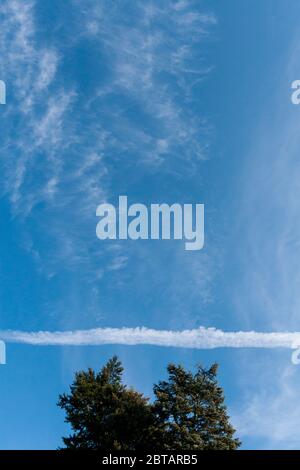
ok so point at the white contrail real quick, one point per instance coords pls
(200, 338)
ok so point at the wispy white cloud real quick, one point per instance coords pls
(49, 158)
(52, 156)
(269, 210)
(268, 416)
(37, 110)
(155, 61)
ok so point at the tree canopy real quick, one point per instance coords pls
(192, 411)
(188, 412)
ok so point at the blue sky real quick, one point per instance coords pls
(181, 101)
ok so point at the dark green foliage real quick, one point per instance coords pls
(188, 412)
(104, 414)
(192, 411)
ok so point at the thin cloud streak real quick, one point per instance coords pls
(200, 338)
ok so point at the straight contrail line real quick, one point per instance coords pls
(200, 338)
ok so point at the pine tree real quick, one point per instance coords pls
(104, 414)
(191, 411)
(188, 412)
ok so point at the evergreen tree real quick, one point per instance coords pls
(104, 414)
(191, 411)
(188, 412)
